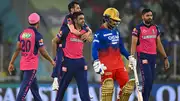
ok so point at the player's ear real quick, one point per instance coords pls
(142, 16)
(38, 24)
(72, 9)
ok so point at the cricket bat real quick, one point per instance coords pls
(139, 93)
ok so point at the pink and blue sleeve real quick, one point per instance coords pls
(39, 40)
(158, 30)
(63, 32)
(136, 31)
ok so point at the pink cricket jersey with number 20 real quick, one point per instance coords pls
(31, 41)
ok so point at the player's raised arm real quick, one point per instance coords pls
(73, 30)
(74, 7)
(87, 37)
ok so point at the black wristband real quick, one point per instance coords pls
(165, 58)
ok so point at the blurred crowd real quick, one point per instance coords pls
(166, 16)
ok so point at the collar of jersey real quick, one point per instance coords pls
(33, 28)
(146, 25)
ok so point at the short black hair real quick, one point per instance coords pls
(76, 14)
(146, 10)
(71, 5)
(34, 24)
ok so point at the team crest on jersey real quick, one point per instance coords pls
(153, 32)
(69, 20)
(41, 42)
(135, 31)
(59, 34)
(26, 35)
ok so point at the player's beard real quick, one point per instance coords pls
(148, 21)
(81, 24)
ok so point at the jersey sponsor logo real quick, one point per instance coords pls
(59, 34)
(26, 35)
(114, 38)
(75, 40)
(114, 43)
(149, 37)
(117, 32)
(69, 20)
(95, 41)
(108, 34)
(96, 35)
(41, 42)
(144, 31)
(135, 31)
(153, 32)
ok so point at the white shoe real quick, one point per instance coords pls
(55, 85)
(91, 97)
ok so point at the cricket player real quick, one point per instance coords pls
(58, 53)
(107, 48)
(74, 64)
(30, 41)
(145, 41)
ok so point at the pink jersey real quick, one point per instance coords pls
(31, 41)
(73, 46)
(147, 36)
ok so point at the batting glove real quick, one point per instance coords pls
(98, 67)
(132, 62)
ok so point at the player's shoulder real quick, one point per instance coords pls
(138, 26)
(68, 17)
(99, 32)
(157, 27)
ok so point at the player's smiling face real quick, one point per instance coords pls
(147, 17)
(77, 8)
(80, 20)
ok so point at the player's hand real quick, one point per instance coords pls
(53, 63)
(11, 68)
(89, 29)
(55, 59)
(132, 62)
(166, 64)
(85, 67)
(87, 37)
(98, 67)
